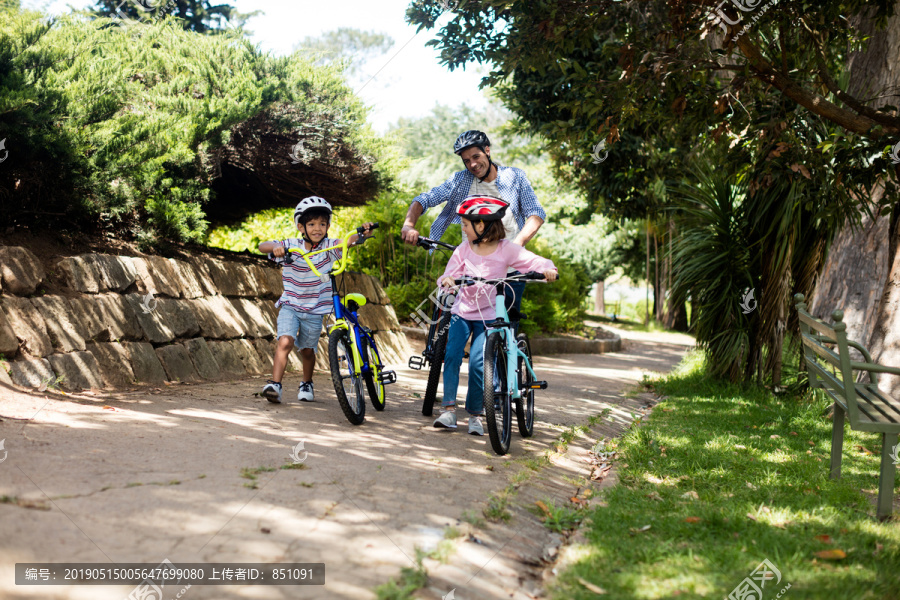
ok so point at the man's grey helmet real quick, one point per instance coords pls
(469, 139)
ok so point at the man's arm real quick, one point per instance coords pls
(532, 224)
(408, 231)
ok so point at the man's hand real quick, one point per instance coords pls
(550, 275)
(409, 234)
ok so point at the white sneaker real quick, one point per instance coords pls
(272, 392)
(305, 392)
(475, 427)
(446, 420)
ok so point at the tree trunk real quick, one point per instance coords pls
(599, 299)
(862, 272)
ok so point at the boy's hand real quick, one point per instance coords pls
(368, 228)
(550, 275)
(447, 282)
(279, 251)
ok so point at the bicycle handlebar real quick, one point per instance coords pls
(341, 263)
(471, 280)
(430, 244)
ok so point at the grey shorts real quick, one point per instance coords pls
(304, 327)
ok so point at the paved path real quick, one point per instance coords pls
(144, 476)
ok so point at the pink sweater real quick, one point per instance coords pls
(476, 302)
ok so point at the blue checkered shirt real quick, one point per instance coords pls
(512, 183)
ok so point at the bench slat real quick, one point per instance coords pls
(884, 411)
(825, 353)
(816, 324)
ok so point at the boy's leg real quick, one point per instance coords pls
(308, 342)
(282, 349)
(287, 329)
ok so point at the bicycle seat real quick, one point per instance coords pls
(354, 301)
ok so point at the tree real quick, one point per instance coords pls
(201, 16)
(353, 46)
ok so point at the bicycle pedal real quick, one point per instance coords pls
(416, 362)
(537, 385)
(387, 377)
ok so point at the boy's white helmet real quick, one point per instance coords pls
(308, 203)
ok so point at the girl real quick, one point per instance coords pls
(486, 254)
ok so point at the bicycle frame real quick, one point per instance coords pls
(504, 326)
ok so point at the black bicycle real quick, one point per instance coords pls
(438, 328)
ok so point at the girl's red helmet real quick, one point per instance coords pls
(482, 208)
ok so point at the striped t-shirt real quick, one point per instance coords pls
(303, 290)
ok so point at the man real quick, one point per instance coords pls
(481, 177)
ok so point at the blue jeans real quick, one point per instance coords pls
(460, 331)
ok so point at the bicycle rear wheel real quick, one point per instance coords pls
(372, 378)
(497, 409)
(525, 404)
(347, 384)
(437, 362)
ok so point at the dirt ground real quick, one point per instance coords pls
(138, 477)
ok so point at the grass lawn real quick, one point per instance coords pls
(721, 478)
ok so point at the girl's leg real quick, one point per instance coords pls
(475, 395)
(453, 355)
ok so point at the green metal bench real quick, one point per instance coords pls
(867, 407)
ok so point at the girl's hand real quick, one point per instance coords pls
(447, 282)
(550, 275)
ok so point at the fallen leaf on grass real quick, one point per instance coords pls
(865, 450)
(774, 436)
(591, 587)
(634, 530)
(751, 516)
(693, 519)
(831, 554)
(750, 485)
(740, 446)
(811, 443)
(654, 496)
(878, 548)
(110, 408)
(691, 495)
(543, 507)
(824, 538)
(794, 433)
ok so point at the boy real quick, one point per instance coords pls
(306, 298)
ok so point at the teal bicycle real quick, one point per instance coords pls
(509, 377)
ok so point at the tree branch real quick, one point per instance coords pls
(850, 120)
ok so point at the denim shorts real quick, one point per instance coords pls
(304, 327)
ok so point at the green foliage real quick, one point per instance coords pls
(123, 128)
(202, 16)
(557, 306)
(353, 46)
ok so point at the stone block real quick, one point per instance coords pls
(9, 343)
(144, 362)
(217, 318)
(86, 312)
(270, 313)
(114, 362)
(31, 373)
(179, 317)
(378, 317)
(20, 270)
(227, 358)
(159, 275)
(152, 321)
(192, 287)
(4, 374)
(249, 356)
(77, 371)
(177, 363)
(28, 325)
(276, 283)
(81, 274)
(261, 281)
(204, 277)
(382, 297)
(62, 325)
(321, 357)
(258, 322)
(231, 279)
(203, 359)
(117, 273)
(117, 316)
(266, 351)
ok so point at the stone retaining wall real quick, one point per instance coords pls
(117, 321)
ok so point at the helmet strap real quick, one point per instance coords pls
(480, 237)
(490, 166)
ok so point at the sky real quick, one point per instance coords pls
(408, 80)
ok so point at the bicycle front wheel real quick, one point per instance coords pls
(373, 376)
(525, 404)
(439, 342)
(497, 409)
(347, 383)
